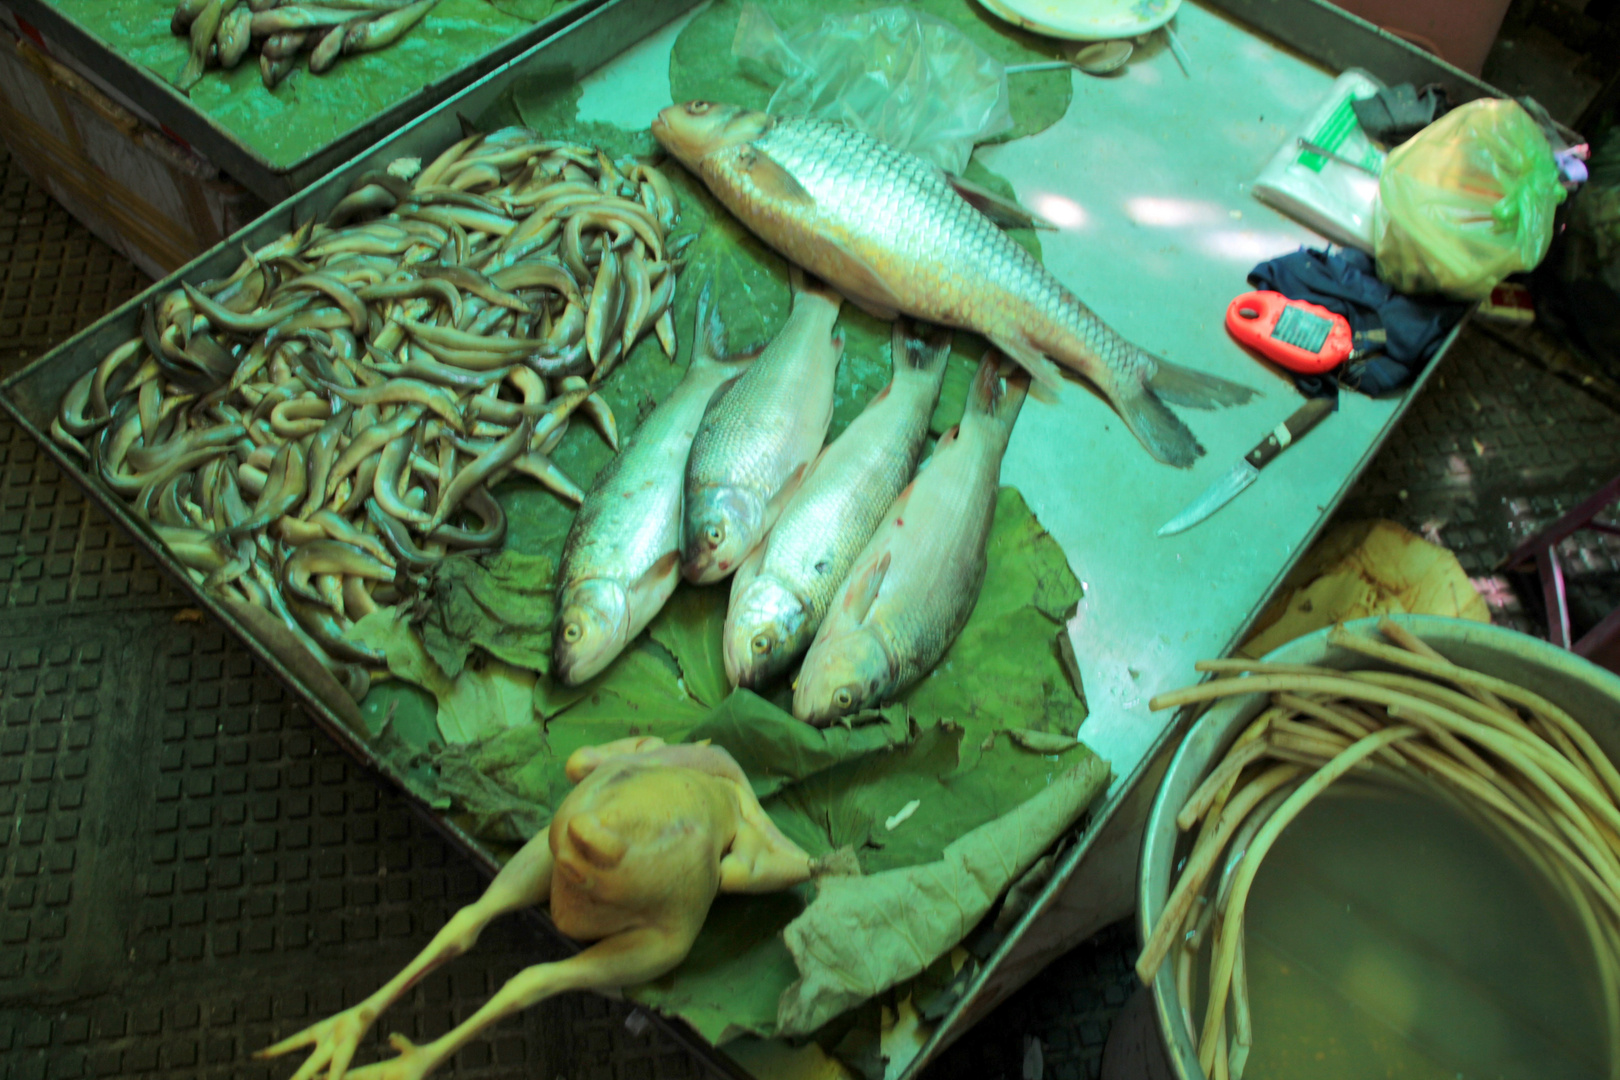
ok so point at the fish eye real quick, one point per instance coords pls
(698, 108)
(572, 633)
(843, 698)
(715, 534)
(761, 645)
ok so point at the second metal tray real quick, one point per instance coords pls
(100, 61)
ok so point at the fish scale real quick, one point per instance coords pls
(766, 427)
(914, 585)
(782, 593)
(893, 233)
(921, 608)
(853, 175)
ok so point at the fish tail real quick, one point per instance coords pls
(1140, 391)
(808, 285)
(1155, 426)
(1193, 389)
(920, 350)
(994, 400)
(710, 343)
(1142, 403)
(1047, 376)
(710, 329)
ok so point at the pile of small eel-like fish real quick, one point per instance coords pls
(222, 31)
(313, 432)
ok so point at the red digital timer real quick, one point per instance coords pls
(1299, 336)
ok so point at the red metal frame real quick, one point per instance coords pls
(1601, 644)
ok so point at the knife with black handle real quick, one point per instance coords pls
(1247, 471)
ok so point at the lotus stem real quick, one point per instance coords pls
(1506, 757)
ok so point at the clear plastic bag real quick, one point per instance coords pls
(898, 74)
(1332, 197)
(1467, 201)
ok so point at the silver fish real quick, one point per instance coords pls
(895, 234)
(621, 559)
(915, 583)
(759, 437)
(783, 590)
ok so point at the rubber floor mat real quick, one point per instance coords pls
(192, 869)
(1067, 1009)
(57, 277)
(1494, 450)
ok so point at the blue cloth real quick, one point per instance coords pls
(1395, 334)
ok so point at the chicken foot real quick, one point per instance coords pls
(632, 860)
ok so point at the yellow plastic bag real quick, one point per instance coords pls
(1466, 202)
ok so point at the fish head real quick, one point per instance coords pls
(767, 626)
(695, 129)
(718, 530)
(593, 627)
(841, 676)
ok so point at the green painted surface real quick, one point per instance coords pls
(307, 112)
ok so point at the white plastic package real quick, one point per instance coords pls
(1333, 197)
(908, 78)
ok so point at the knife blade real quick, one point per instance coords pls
(1247, 470)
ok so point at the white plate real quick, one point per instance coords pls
(1086, 20)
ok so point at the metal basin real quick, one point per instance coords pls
(1587, 692)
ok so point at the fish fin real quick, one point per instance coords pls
(666, 568)
(1156, 427)
(877, 311)
(646, 596)
(861, 593)
(1005, 212)
(1042, 393)
(911, 350)
(748, 570)
(864, 287)
(806, 284)
(710, 330)
(994, 400)
(810, 470)
(772, 179)
(1191, 389)
(710, 343)
(1047, 375)
(789, 488)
